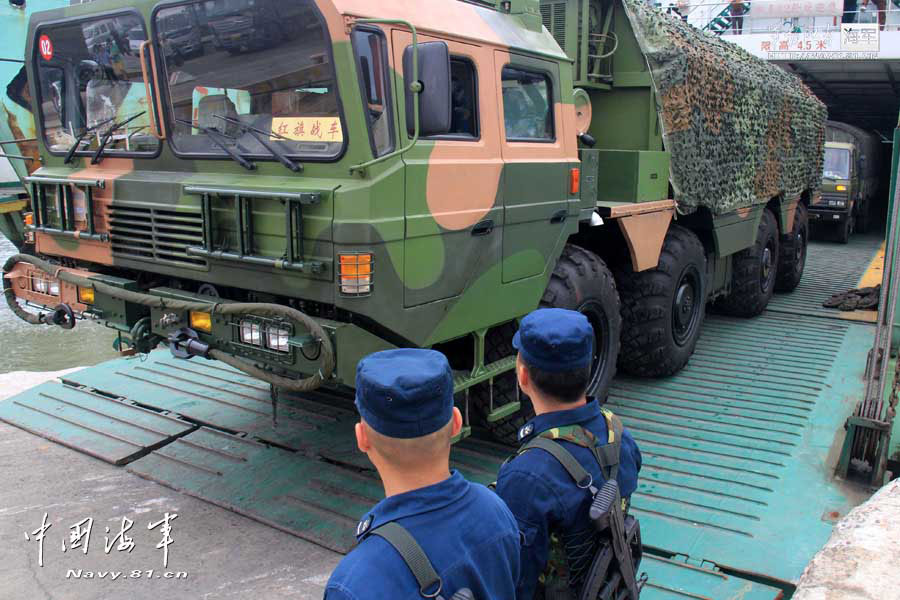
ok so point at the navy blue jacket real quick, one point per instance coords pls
(542, 495)
(466, 531)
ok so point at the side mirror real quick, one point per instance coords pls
(434, 99)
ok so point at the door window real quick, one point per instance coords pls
(527, 108)
(463, 100)
(370, 48)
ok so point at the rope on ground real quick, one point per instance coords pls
(257, 309)
(858, 299)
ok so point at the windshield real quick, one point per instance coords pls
(837, 163)
(252, 66)
(89, 77)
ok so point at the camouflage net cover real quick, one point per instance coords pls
(739, 130)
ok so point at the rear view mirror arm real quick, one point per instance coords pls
(415, 88)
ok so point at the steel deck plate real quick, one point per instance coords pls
(831, 268)
(309, 498)
(112, 430)
(739, 447)
(670, 579)
(212, 393)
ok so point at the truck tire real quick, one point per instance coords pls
(846, 229)
(792, 253)
(753, 272)
(580, 281)
(663, 308)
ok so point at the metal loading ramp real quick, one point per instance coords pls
(736, 492)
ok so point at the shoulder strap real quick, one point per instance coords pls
(577, 472)
(608, 454)
(413, 555)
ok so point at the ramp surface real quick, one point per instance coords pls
(110, 429)
(831, 268)
(738, 446)
(212, 393)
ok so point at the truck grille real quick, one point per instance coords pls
(155, 234)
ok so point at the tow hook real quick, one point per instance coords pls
(62, 315)
(185, 343)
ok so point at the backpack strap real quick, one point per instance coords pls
(414, 557)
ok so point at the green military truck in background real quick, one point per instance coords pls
(392, 174)
(850, 180)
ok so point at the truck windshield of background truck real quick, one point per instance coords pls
(837, 163)
(261, 77)
(88, 78)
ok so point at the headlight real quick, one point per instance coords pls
(837, 203)
(40, 285)
(251, 333)
(54, 288)
(277, 339)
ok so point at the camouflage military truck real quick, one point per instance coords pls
(327, 178)
(850, 175)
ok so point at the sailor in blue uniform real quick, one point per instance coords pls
(553, 369)
(467, 534)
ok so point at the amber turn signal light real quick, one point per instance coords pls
(201, 321)
(85, 295)
(574, 181)
(356, 273)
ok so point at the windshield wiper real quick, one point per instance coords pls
(218, 142)
(108, 135)
(70, 154)
(259, 136)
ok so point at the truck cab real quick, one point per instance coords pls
(322, 179)
(841, 200)
(850, 173)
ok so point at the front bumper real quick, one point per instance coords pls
(291, 352)
(828, 215)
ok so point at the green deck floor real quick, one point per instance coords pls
(831, 268)
(735, 496)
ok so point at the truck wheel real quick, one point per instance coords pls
(845, 230)
(663, 308)
(753, 272)
(580, 281)
(792, 255)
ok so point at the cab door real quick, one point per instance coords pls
(537, 159)
(454, 211)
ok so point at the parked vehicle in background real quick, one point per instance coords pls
(850, 176)
(182, 34)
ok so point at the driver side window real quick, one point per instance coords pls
(370, 48)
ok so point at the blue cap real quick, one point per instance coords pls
(555, 340)
(405, 393)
